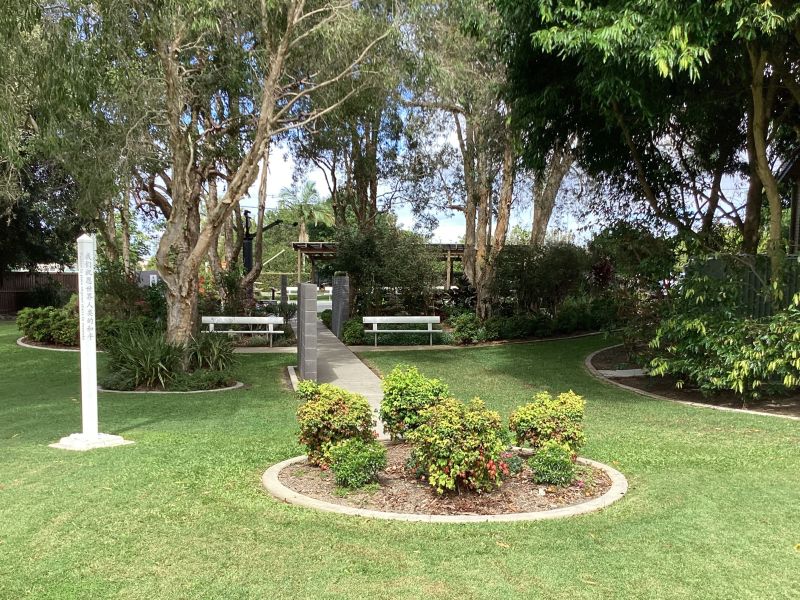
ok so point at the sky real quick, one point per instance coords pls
(450, 229)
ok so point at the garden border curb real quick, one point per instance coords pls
(236, 386)
(22, 344)
(587, 363)
(271, 482)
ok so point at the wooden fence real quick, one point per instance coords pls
(16, 287)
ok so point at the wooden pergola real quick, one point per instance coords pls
(324, 251)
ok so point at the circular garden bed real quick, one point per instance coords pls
(605, 362)
(400, 495)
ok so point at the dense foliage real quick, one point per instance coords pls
(553, 463)
(533, 278)
(391, 270)
(330, 415)
(406, 394)
(550, 418)
(459, 446)
(140, 356)
(51, 325)
(356, 462)
(708, 338)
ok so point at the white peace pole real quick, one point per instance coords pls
(90, 437)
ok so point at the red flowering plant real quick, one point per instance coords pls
(460, 446)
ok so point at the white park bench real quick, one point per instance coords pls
(270, 322)
(375, 321)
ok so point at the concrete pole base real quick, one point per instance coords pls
(81, 442)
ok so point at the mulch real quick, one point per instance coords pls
(666, 386)
(400, 491)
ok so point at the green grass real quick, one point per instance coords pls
(712, 511)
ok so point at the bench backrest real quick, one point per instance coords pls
(243, 320)
(376, 320)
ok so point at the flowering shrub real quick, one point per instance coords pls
(459, 446)
(330, 415)
(355, 462)
(548, 418)
(553, 463)
(406, 393)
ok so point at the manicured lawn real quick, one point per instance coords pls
(712, 511)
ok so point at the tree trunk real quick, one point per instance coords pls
(763, 96)
(545, 191)
(302, 237)
(751, 227)
(258, 251)
(488, 268)
(125, 224)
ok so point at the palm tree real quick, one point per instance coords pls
(304, 206)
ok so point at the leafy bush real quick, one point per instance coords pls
(307, 389)
(143, 359)
(539, 277)
(547, 418)
(109, 328)
(553, 463)
(718, 349)
(355, 462)
(353, 332)
(468, 329)
(327, 317)
(200, 380)
(406, 393)
(210, 351)
(330, 415)
(459, 446)
(50, 325)
(519, 326)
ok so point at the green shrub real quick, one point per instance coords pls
(307, 389)
(353, 332)
(720, 350)
(211, 351)
(144, 358)
(467, 329)
(553, 463)
(459, 446)
(406, 393)
(547, 418)
(330, 415)
(327, 317)
(355, 462)
(519, 326)
(50, 325)
(109, 328)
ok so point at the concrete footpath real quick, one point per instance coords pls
(337, 365)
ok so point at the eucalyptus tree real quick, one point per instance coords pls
(458, 77)
(357, 145)
(207, 85)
